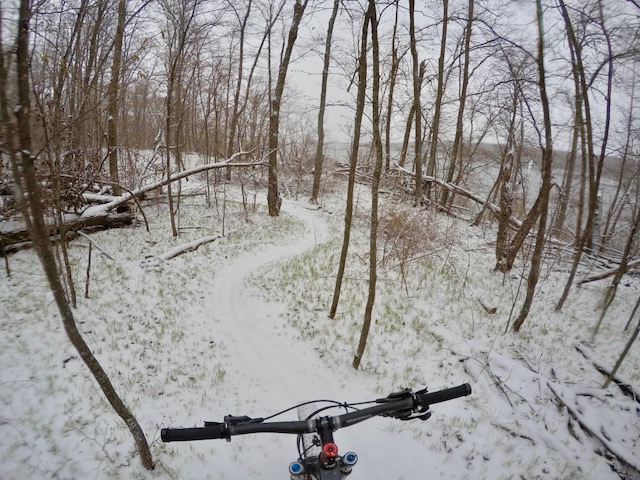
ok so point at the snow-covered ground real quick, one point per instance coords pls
(240, 327)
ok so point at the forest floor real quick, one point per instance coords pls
(240, 327)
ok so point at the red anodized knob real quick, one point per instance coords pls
(330, 450)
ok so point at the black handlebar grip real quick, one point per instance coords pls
(426, 399)
(189, 434)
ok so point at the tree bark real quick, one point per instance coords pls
(375, 183)
(353, 162)
(102, 221)
(417, 106)
(273, 197)
(595, 168)
(114, 83)
(457, 141)
(506, 200)
(395, 64)
(317, 173)
(545, 189)
(236, 97)
(435, 126)
(24, 170)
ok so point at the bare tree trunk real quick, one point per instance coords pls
(630, 132)
(545, 189)
(578, 133)
(181, 21)
(595, 169)
(273, 197)
(610, 295)
(168, 148)
(353, 162)
(317, 173)
(417, 106)
(267, 32)
(567, 183)
(395, 63)
(506, 200)
(236, 97)
(375, 183)
(627, 347)
(112, 139)
(435, 126)
(457, 141)
(506, 181)
(24, 171)
(407, 135)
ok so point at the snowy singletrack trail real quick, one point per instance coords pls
(247, 322)
(268, 369)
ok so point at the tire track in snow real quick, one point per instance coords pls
(246, 323)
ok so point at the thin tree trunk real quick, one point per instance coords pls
(317, 173)
(395, 63)
(633, 314)
(435, 126)
(112, 124)
(417, 106)
(182, 24)
(353, 162)
(545, 189)
(24, 171)
(506, 191)
(168, 148)
(627, 347)
(407, 135)
(610, 294)
(252, 140)
(273, 197)
(578, 133)
(236, 97)
(457, 141)
(375, 183)
(612, 216)
(595, 170)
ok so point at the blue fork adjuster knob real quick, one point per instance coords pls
(295, 468)
(350, 459)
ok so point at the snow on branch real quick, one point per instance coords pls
(452, 187)
(188, 247)
(608, 273)
(110, 205)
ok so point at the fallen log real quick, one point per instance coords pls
(452, 187)
(105, 214)
(631, 266)
(116, 201)
(188, 247)
(16, 233)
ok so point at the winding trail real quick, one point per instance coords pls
(245, 320)
(271, 369)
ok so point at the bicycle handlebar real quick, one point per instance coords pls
(405, 401)
(189, 434)
(427, 399)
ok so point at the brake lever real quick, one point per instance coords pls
(404, 415)
(423, 417)
(424, 411)
(237, 420)
(232, 420)
(401, 395)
